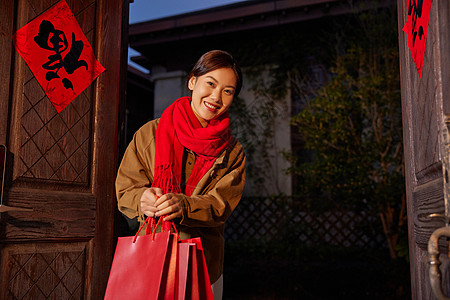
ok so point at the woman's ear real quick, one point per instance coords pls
(191, 83)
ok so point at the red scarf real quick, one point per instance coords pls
(179, 128)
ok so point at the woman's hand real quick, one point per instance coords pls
(169, 205)
(148, 201)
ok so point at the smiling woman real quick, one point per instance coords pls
(186, 167)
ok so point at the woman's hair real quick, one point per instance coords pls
(217, 59)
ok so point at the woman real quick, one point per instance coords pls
(186, 166)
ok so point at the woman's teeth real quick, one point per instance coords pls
(211, 106)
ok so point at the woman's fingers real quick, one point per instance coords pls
(149, 211)
(157, 191)
(173, 216)
(174, 208)
(168, 205)
(148, 200)
(167, 200)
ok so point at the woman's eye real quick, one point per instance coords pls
(228, 92)
(210, 83)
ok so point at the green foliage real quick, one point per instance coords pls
(354, 128)
(352, 125)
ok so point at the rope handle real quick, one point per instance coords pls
(150, 223)
(152, 226)
(167, 226)
(154, 229)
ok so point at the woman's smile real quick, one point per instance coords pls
(212, 107)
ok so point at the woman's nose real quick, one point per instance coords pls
(216, 95)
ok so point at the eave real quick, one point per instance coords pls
(153, 38)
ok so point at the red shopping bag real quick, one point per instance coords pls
(159, 266)
(184, 250)
(192, 290)
(169, 276)
(137, 271)
(192, 278)
(199, 284)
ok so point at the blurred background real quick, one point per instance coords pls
(323, 214)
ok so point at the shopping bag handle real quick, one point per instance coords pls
(167, 226)
(151, 227)
(150, 224)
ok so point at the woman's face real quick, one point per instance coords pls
(212, 93)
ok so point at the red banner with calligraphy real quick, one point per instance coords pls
(59, 54)
(417, 27)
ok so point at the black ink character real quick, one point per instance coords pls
(55, 40)
(415, 8)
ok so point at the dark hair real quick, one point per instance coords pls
(217, 59)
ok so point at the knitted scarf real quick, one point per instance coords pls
(179, 128)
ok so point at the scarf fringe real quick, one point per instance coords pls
(165, 180)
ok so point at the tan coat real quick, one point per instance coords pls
(203, 213)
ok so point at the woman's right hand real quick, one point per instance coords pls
(148, 200)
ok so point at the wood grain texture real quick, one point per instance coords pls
(6, 30)
(444, 40)
(108, 50)
(55, 216)
(426, 110)
(408, 149)
(427, 199)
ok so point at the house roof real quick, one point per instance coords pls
(159, 38)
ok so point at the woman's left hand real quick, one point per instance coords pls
(169, 205)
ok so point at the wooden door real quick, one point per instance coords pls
(426, 109)
(59, 166)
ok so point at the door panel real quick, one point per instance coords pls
(425, 107)
(61, 167)
(49, 146)
(39, 271)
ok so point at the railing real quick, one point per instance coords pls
(291, 220)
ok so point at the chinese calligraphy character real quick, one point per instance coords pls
(415, 8)
(416, 27)
(55, 40)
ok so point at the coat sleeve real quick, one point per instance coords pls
(215, 206)
(135, 172)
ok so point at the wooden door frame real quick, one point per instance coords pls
(111, 27)
(405, 64)
(424, 187)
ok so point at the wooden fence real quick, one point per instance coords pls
(290, 220)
